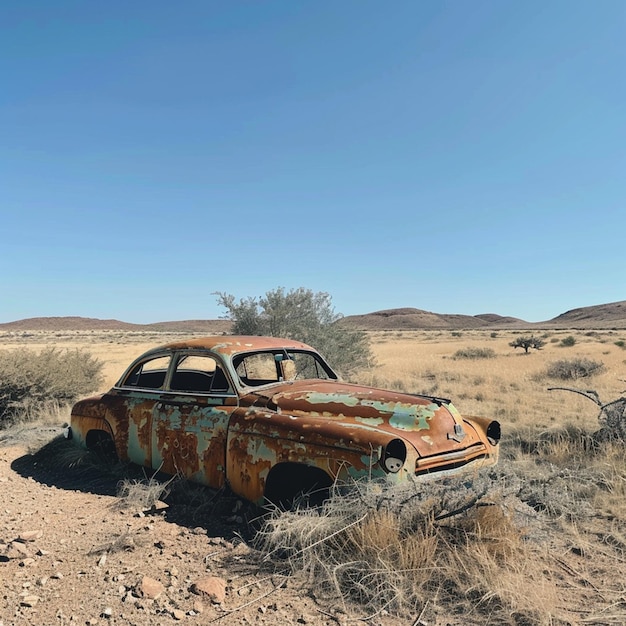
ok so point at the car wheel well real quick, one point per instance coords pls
(101, 442)
(292, 485)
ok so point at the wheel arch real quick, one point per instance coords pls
(290, 483)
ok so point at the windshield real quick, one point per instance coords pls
(264, 368)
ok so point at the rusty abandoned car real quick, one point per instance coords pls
(270, 419)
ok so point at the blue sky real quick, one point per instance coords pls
(458, 157)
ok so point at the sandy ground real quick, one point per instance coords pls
(71, 554)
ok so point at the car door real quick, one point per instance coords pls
(190, 421)
(130, 407)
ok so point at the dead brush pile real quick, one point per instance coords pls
(456, 543)
(488, 547)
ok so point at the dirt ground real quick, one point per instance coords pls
(71, 554)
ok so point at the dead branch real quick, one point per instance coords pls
(590, 394)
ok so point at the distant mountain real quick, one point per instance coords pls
(612, 315)
(209, 327)
(601, 316)
(417, 319)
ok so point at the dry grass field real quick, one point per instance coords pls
(548, 543)
(510, 386)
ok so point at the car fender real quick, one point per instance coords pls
(258, 440)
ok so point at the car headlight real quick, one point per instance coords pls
(494, 433)
(394, 456)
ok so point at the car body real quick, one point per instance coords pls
(269, 418)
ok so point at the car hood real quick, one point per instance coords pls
(432, 425)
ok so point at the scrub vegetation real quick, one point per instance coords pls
(539, 539)
(32, 383)
(303, 315)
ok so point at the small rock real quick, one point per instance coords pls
(177, 614)
(149, 588)
(107, 613)
(30, 535)
(30, 600)
(26, 562)
(211, 587)
(17, 550)
(198, 606)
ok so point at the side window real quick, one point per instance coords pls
(307, 366)
(199, 374)
(258, 369)
(148, 374)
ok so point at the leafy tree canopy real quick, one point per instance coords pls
(303, 315)
(527, 343)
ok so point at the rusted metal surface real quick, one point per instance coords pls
(238, 436)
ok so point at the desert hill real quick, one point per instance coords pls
(417, 319)
(209, 327)
(610, 316)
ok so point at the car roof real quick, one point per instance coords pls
(232, 344)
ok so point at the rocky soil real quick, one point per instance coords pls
(75, 552)
(72, 552)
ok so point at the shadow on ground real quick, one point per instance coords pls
(59, 463)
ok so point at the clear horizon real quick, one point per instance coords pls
(460, 158)
(221, 317)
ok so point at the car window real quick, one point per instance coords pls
(258, 369)
(262, 368)
(148, 374)
(199, 374)
(307, 366)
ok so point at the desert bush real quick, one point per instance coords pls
(303, 315)
(568, 342)
(620, 343)
(474, 353)
(31, 381)
(573, 369)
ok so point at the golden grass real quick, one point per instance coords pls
(511, 387)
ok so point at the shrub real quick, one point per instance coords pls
(620, 343)
(30, 381)
(573, 369)
(474, 353)
(568, 342)
(305, 316)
